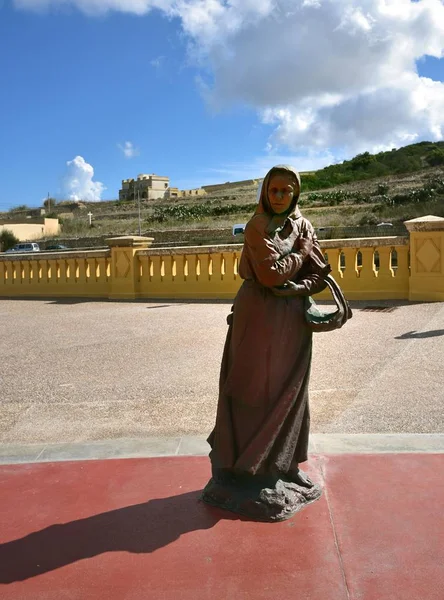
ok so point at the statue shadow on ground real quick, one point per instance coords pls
(413, 335)
(142, 528)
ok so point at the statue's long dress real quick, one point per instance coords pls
(263, 418)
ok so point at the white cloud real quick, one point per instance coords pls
(128, 149)
(157, 62)
(325, 73)
(78, 182)
(94, 7)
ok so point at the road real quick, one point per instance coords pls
(77, 371)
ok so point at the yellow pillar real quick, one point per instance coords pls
(124, 279)
(426, 258)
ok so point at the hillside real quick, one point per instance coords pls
(367, 190)
(409, 159)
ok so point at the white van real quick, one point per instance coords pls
(239, 229)
(25, 247)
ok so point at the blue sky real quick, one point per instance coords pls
(202, 99)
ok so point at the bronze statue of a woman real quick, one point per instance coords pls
(262, 424)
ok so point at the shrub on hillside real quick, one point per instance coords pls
(428, 193)
(7, 240)
(366, 166)
(335, 198)
(382, 189)
(184, 212)
(19, 208)
(435, 158)
(368, 219)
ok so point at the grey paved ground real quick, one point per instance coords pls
(93, 371)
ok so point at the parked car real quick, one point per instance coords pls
(57, 247)
(238, 229)
(25, 247)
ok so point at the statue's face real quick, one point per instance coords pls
(281, 190)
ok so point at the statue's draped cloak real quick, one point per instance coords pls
(263, 418)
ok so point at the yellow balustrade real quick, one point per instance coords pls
(375, 276)
(203, 272)
(68, 274)
(366, 268)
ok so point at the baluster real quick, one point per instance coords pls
(98, 269)
(43, 271)
(24, 272)
(217, 260)
(350, 272)
(385, 268)
(9, 273)
(62, 267)
(180, 266)
(155, 270)
(402, 272)
(403, 269)
(91, 275)
(204, 266)
(81, 271)
(33, 272)
(71, 271)
(359, 262)
(144, 270)
(368, 272)
(52, 271)
(108, 268)
(334, 256)
(235, 265)
(168, 269)
(192, 273)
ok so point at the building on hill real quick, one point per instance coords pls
(154, 187)
(230, 185)
(192, 193)
(32, 229)
(148, 187)
(172, 192)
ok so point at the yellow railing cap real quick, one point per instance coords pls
(427, 223)
(182, 250)
(130, 241)
(371, 242)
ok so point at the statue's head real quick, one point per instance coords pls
(280, 191)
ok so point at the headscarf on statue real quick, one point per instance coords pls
(316, 262)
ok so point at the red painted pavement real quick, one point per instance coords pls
(134, 529)
(388, 516)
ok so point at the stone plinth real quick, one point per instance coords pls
(124, 277)
(426, 258)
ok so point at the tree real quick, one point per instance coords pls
(19, 208)
(7, 240)
(49, 203)
(435, 158)
(361, 161)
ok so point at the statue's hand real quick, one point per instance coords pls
(290, 288)
(304, 245)
(323, 270)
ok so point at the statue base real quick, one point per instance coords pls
(258, 499)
